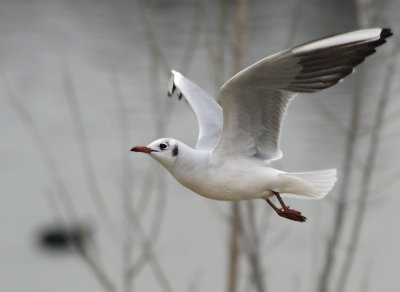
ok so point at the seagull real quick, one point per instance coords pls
(239, 138)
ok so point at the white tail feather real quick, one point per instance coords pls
(312, 185)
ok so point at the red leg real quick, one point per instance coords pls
(285, 211)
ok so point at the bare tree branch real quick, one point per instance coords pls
(340, 212)
(152, 38)
(190, 49)
(98, 272)
(84, 152)
(148, 252)
(57, 180)
(126, 177)
(253, 248)
(238, 51)
(367, 174)
(43, 150)
(294, 24)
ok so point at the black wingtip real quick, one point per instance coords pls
(386, 32)
(171, 84)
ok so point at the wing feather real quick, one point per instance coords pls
(254, 100)
(206, 109)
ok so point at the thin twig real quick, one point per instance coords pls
(192, 44)
(147, 251)
(254, 255)
(366, 279)
(43, 150)
(238, 52)
(152, 38)
(126, 177)
(85, 153)
(219, 64)
(294, 24)
(340, 210)
(328, 114)
(98, 272)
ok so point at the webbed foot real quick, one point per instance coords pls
(285, 211)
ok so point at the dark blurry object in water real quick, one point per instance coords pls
(64, 238)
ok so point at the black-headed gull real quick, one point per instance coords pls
(238, 140)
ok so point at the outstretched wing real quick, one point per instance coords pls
(255, 100)
(207, 110)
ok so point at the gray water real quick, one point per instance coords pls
(103, 43)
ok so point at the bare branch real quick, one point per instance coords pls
(84, 151)
(367, 174)
(43, 150)
(238, 51)
(330, 116)
(57, 179)
(148, 252)
(126, 176)
(294, 24)
(150, 32)
(190, 49)
(340, 210)
(251, 237)
(98, 272)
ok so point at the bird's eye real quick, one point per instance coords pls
(163, 146)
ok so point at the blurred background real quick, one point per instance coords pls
(82, 82)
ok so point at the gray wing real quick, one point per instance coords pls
(207, 110)
(255, 100)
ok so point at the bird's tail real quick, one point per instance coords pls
(312, 185)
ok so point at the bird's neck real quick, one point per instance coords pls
(189, 163)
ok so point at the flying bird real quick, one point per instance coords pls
(239, 138)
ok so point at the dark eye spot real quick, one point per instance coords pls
(175, 150)
(163, 146)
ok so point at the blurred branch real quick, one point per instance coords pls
(56, 177)
(390, 118)
(367, 174)
(147, 253)
(43, 150)
(365, 281)
(84, 151)
(233, 260)
(192, 44)
(294, 24)
(160, 114)
(152, 38)
(54, 207)
(209, 48)
(98, 271)
(126, 176)
(238, 51)
(195, 282)
(340, 210)
(216, 56)
(389, 181)
(131, 270)
(316, 101)
(252, 247)
(219, 64)
(156, 225)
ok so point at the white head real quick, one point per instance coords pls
(164, 150)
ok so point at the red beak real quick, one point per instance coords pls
(143, 149)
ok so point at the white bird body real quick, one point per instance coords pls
(239, 179)
(238, 139)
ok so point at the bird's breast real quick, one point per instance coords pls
(228, 182)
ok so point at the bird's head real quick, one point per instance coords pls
(164, 150)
